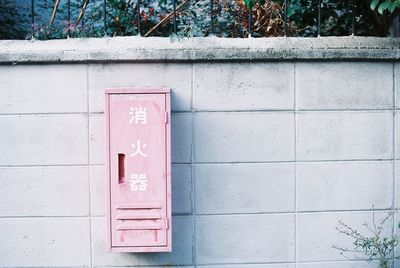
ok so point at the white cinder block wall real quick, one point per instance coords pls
(267, 157)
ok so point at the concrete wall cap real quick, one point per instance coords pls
(157, 49)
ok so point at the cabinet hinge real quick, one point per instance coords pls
(167, 223)
(166, 117)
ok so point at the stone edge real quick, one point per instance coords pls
(158, 49)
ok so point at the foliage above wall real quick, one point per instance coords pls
(382, 6)
(230, 18)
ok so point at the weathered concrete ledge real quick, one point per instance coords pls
(139, 49)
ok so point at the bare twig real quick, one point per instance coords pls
(171, 14)
(373, 219)
(53, 15)
(83, 9)
(368, 228)
(390, 214)
(374, 247)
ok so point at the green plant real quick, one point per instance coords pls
(338, 17)
(375, 246)
(382, 6)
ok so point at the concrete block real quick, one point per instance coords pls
(397, 133)
(44, 140)
(397, 83)
(316, 233)
(344, 85)
(344, 185)
(44, 191)
(98, 200)
(264, 265)
(181, 129)
(339, 264)
(176, 76)
(244, 137)
(243, 86)
(397, 233)
(397, 184)
(96, 139)
(182, 235)
(158, 266)
(186, 266)
(173, 266)
(244, 188)
(30, 242)
(344, 135)
(43, 89)
(181, 190)
(244, 239)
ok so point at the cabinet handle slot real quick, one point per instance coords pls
(121, 168)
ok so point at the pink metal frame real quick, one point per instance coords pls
(139, 90)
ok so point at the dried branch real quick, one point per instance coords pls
(53, 15)
(375, 247)
(83, 9)
(171, 14)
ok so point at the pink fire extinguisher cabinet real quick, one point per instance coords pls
(138, 167)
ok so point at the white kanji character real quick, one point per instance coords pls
(138, 182)
(138, 149)
(138, 115)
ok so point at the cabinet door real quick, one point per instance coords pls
(138, 170)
